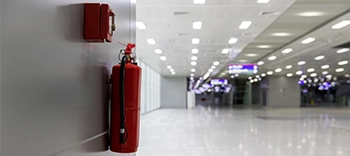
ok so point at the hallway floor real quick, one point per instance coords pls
(209, 131)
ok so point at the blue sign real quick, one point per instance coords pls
(243, 69)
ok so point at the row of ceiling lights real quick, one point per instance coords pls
(197, 25)
(245, 25)
(309, 40)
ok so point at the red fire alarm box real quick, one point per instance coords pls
(99, 22)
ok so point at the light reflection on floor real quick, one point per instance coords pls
(239, 131)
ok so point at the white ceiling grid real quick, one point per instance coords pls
(221, 19)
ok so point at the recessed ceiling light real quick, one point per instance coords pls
(243, 61)
(313, 74)
(263, 75)
(261, 63)
(347, 75)
(255, 80)
(319, 58)
(216, 63)
(151, 41)
(232, 76)
(257, 76)
(263, 1)
(225, 51)
(194, 58)
(173, 73)
(264, 46)
(249, 77)
(210, 70)
(311, 70)
(289, 67)
(311, 14)
(341, 24)
(163, 58)
(245, 24)
(193, 63)
(251, 55)
(233, 41)
(343, 50)
(329, 76)
(158, 51)
(299, 72)
(213, 67)
(301, 63)
(339, 70)
(251, 81)
(289, 74)
(303, 76)
(269, 72)
(171, 70)
(195, 41)
(325, 67)
(199, 1)
(195, 51)
(271, 58)
(281, 34)
(197, 25)
(278, 70)
(325, 72)
(169, 67)
(341, 63)
(308, 40)
(193, 70)
(192, 75)
(286, 51)
(141, 25)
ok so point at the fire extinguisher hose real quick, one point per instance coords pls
(123, 130)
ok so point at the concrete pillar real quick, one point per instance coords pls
(283, 92)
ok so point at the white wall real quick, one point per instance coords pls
(283, 92)
(150, 89)
(173, 92)
(53, 83)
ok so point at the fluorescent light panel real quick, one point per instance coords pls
(163, 58)
(325, 67)
(225, 51)
(197, 25)
(151, 41)
(158, 51)
(195, 41)
(245, 24)
(233, 41)
(216, 63)
(286, 51)
(319, 58)
(199, 1)
(343, 50)
(263, 1)
(308, 40)
(301, 63)
(261, 63)
(341, 63)
(341, 24)
(194, 58)
(195, 51)
(141, 25)
(271, 58)
(289, 67)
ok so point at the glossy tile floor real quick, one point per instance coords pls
(209, 131)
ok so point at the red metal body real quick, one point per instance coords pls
(97, 25)
(132, 108)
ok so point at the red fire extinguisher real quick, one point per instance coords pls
(125, 107)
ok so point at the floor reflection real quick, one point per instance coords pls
(212, 130)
